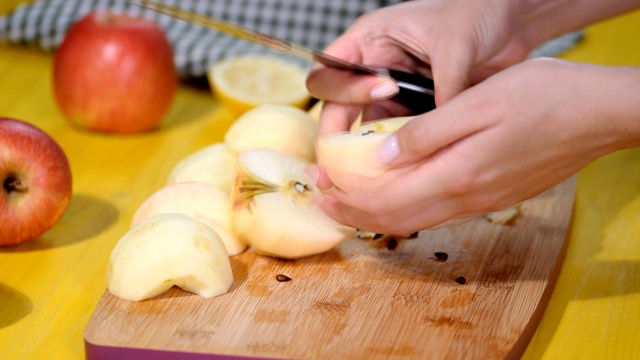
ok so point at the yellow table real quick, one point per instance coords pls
(49, 287)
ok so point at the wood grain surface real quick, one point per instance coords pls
(361, 300)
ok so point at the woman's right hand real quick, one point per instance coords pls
(455, 44)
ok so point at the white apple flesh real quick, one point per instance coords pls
(275, 210)
(277, 127)
(315, 110)
(167, 250)
(201, 201)
(349, 156)
(214, 164)
(36, 182)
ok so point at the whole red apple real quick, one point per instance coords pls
(114, 73)
(36, 182)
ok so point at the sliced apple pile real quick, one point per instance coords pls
(250, 190)
(167, 250)
(200, 188)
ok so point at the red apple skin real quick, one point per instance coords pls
(114, 73)
(36, 182)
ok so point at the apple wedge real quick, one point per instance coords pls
(278, 127)
(348, 156)
(275, 210)
(167, 250)
(201, 201)
(214, 164)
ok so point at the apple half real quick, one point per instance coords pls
(275, 207)
(167, 250)
(347, 156)
(201, 201)
(278, 127)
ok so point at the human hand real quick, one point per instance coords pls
(455, 42)
(498, 143)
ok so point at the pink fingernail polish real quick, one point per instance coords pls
(384, 90)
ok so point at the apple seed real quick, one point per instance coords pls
(300, 187)
(282, 278)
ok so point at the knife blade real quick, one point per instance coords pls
(416, 91)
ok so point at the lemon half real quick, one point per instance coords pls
(244, 82)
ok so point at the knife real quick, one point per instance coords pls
(416, 91)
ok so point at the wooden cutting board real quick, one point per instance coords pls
(361, 300)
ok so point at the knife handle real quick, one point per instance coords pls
(416, 91)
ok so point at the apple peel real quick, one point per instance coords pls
(167, 250)
(36, 182)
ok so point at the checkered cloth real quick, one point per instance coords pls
(313, 23)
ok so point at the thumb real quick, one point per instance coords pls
(448, 123)
(428, 133)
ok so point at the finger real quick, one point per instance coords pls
(337, 117)
(437, 129)
(404, 220)
(451, 71)
(426, 191)
(322, 180)
(384, 109)
(346, 87)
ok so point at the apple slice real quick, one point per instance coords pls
(348, 156)
(201, 201)
(167, 250)
(214, 164)
(504, 217)
(275, 210)
(278, 127)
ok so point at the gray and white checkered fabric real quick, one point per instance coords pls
(313, 23)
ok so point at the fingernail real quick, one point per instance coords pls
(384, 90)
(389, 150)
